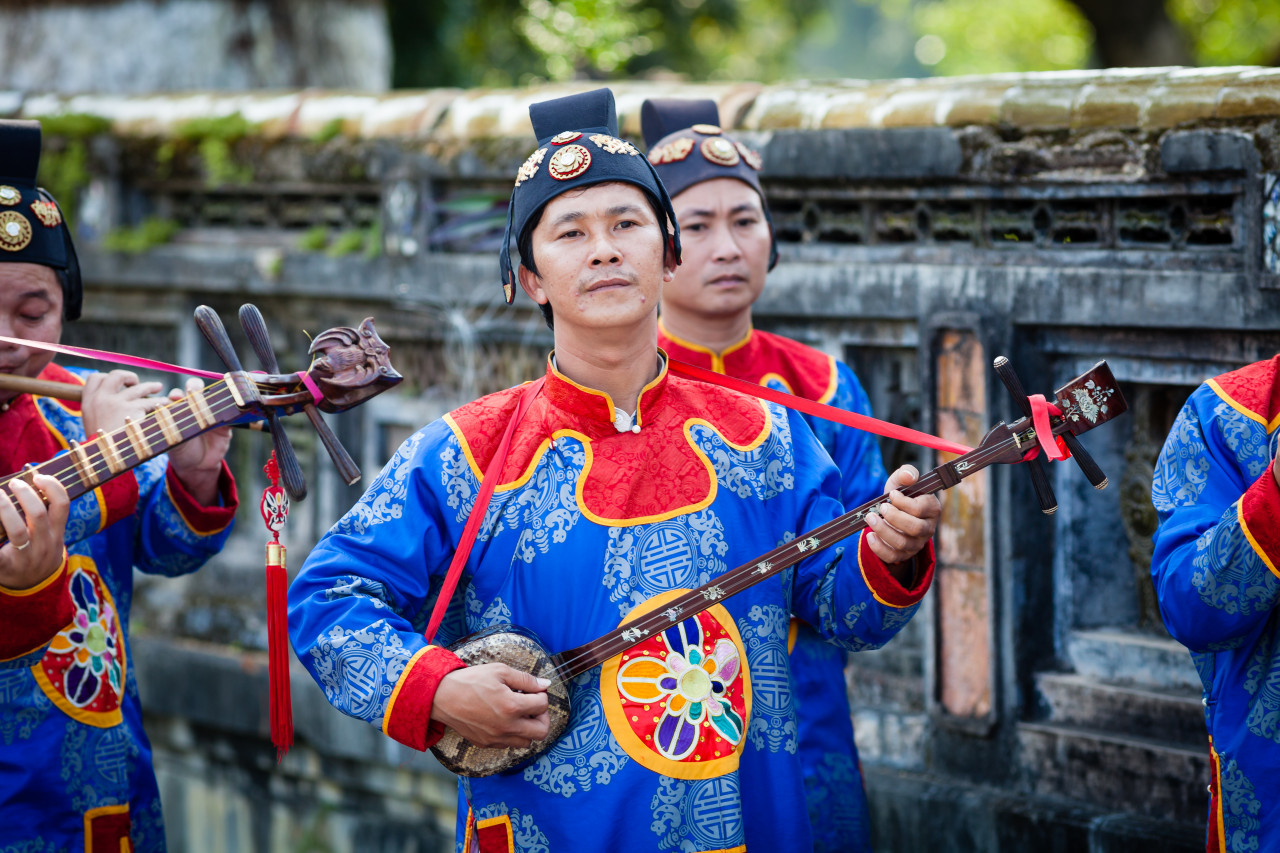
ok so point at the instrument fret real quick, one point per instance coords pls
(200, 408)
(137, 438)
(88, 465)
(168, 426)
(84, 468)
(115, 463)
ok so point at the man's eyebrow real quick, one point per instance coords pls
(745, 207)
(624, 209)
(698, 211)
(567, 216)
(37, 294)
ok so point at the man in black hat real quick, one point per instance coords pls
(729, 249)
(620, 485)
(75, 768)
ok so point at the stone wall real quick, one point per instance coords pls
(926, 227)
(147, 46)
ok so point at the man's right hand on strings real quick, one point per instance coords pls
(493, 705)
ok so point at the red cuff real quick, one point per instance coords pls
(120, 497)
(408, 715)
(32, 617)
(205, 520)
(884, 586)
(1260, 518)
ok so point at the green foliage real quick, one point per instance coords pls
(214, 141)
(314, 239)
(149, 233)
(347, 243)
(331, 130)
(64, 157)
(1230, 32)
(74, 125)
(991, 36)
(471, 44)
(365, 241)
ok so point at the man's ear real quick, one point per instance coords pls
(531, 284)
(669, 262)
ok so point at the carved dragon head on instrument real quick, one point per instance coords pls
(351, 365)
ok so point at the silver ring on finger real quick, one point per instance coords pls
(23, 546)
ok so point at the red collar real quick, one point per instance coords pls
(763, 358)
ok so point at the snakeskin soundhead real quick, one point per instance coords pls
(521, 650)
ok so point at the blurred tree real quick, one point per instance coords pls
(507, 42)
(984, 36)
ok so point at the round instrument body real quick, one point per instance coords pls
(519, 649)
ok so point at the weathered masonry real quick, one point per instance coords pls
(927, 227)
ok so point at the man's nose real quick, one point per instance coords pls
(726, 245)
(605, 251)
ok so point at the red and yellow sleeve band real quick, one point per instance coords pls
(205, 520)
(1259, 514)
(408, 715)
(32, 617)
(884, 586)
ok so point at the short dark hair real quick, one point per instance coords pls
(524, 243)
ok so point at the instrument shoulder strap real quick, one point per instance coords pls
(472, 529)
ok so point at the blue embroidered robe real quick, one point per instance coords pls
(75, 763)
(1215, 570)
(586, 525)
(838, 812)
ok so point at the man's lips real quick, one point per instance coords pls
(728, 280)
(607, 284)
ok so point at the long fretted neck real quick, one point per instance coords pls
(576, 661)
(87, 466)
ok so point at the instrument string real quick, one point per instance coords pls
(68, 475)
(602, 649)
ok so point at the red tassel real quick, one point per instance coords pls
(275, 509)
(278, 651)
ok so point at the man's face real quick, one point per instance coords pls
(599, 253)
(31, 308)
(725, 239)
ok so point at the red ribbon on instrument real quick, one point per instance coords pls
(113, 357)
(821, 410)
(1052, 445)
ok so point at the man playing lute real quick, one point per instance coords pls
(621, 484)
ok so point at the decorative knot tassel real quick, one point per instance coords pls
(275, 510)
(278, 650)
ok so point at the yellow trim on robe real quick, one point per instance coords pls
(183, 516)
(1253, 416)
(764, 381)
(1248, 534)
(97, 492)
(589, 455)
(395, 693)
(494, 821)
(867, 580)
(22, 593)
(646, 756)
(717, 358)
(1216, 765)
(103, 811)
(98, 719)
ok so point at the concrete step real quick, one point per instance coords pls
(915, 811)
(1137, 659)
(1175, 717)
(1143, 775)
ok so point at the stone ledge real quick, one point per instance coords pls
(919, 811)
(1149, 99)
